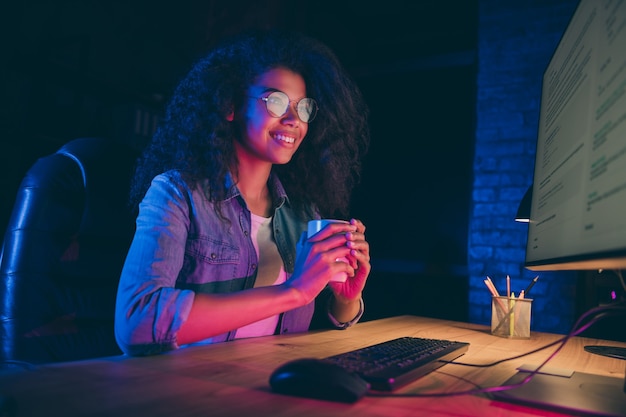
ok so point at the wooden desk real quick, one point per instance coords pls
(231, 379)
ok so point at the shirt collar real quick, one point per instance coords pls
(279, 195)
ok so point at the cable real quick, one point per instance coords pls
(586, 320)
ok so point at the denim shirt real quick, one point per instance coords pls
(181, 247)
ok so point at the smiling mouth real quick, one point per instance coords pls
(284, 138)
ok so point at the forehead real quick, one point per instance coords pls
(281, 79)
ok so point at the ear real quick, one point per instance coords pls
(230, 116)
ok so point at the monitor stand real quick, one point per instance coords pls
(610, 351)
(579, 393)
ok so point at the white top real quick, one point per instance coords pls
(270, 272)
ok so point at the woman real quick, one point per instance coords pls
(264, 134)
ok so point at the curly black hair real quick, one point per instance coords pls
(196, 138)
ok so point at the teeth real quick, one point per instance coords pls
(284, 138)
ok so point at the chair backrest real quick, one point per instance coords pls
(63, 252)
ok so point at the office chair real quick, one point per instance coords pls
(63, 252)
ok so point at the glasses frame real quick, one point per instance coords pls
(265, 99)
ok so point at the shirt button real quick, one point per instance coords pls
(245, 232)
(253, 266)
(213, 255)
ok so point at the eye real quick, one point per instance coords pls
(277, 99)
(307, 108)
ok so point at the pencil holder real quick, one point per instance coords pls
(510, 317)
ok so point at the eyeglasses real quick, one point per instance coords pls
(277, 104)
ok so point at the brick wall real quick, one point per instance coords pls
(516, 40)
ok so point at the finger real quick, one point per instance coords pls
(360, 257)
(333, 229)
(360, 245)
(301, 241)
(337, 241)
(359, 225)
(358, 234)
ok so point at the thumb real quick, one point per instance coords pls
(300, 243)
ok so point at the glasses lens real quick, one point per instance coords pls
(277, 103)
(307, 108)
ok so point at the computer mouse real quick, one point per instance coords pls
(315, 378)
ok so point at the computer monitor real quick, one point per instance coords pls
(578, 210)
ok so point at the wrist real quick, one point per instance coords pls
(293, 297)
(345, 315)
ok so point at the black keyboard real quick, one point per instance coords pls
(389, 365)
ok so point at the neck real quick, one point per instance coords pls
(251, 178)
(259, 201)
(252, 183)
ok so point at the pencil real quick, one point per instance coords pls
(532, 283)
(493, 286)
(512, 315)
(508, 286)
(494, 293)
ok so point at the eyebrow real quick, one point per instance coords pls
(267, 89)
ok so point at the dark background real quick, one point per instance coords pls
(106, 68)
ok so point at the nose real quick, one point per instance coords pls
(291, 115)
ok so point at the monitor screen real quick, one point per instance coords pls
(578, 210)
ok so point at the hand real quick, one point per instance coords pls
(317, 258)
(359, 258)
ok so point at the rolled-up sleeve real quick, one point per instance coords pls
(149, 309)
